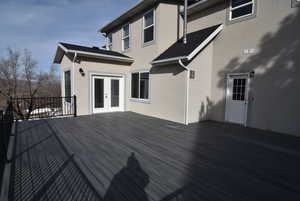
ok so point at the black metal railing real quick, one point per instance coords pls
(44, 107)
(6, 121)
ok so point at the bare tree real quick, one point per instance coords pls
(33, 79)
(51, 86)
(9, 73)
(20, 76)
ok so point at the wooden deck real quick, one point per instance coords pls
(127, 156)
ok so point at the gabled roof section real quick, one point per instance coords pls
(94, 52)
(196, 41)
(140, 7)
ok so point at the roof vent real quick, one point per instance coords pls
(94, 47)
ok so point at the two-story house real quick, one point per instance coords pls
(239, 63)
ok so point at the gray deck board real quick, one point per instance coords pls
(204, 161)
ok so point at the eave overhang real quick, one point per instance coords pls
(61, 51)
(190, 56)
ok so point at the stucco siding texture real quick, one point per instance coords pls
(200, 87)
(93, 67)
(273, 38)
(166, 83)
(167, 94)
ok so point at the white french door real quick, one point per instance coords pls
(237, 98)
(107, 94)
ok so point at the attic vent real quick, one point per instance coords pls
(94, 47)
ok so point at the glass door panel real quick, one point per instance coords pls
(115, 93)
(99, 92)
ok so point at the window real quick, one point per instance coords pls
(140, 85)
(241, 8)
(68, 86)
(148, 27)
(125, 37)
(109, 42)
(239, 89)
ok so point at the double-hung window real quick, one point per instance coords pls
(241, 8)
(126, 37)
(109, 42)
(149, 26)
(140, 85)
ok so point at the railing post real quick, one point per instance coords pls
(75, 106)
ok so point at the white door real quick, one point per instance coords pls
(237, 98)
(107, 94)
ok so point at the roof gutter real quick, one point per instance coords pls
(168, 61)
(185, 22)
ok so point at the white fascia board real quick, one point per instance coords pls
(205, 42)
(127, 12)
(170, 60)
(197, 4)
(97, 55)
(63, 47)
(104, 56)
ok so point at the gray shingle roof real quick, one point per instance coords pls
(92, 50)
(179, 49)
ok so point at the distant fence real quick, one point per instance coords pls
(6, 121)
(44, 107)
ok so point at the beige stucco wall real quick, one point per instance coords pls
(274, 35)
(200, 87)
(82, 84)
(166, 83)
(166, 91)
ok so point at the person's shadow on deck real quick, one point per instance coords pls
(129, 183)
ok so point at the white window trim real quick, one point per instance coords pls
(240, 6)
(109, 44)
(140, 99)
(154, 27)
(125, 37)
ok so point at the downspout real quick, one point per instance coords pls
(73, 74)
(187, 92)
(185, 22)
(106, 40)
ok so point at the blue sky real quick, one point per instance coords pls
(39, 25)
